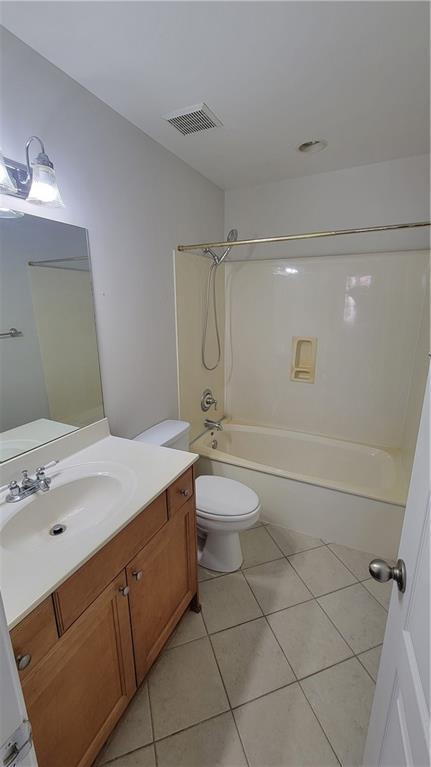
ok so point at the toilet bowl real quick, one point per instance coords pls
(224, 507)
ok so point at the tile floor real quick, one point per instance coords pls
(263, 677)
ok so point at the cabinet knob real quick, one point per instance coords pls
(137, 574)
(22, 661)
(124, 590)
(185, 492)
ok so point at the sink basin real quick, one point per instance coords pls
(81, 497)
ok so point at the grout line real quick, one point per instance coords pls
(347, 566)
(362, 664)
(258, 564)
(321, 726)
(228, 700)
(372, 595)
(328, 592)
(281, 648)
(151, 719)
(300, 551)
(283, 555)
(190, 727)
(126, 753)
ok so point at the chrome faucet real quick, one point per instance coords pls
(29, 485)
(213, 424)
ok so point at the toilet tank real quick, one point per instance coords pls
(174, 434)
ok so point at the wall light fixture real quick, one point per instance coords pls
(34, 181)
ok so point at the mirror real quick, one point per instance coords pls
(49, 365)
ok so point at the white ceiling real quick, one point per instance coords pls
(275, 73)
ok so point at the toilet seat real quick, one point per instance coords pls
(225, 499)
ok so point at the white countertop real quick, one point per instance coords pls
(25, 580)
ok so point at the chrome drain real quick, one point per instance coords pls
(57, 529)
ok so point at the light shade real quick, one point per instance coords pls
(7, 184)
(44, 189)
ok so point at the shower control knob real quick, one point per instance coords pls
(207, 400)
(381, 571)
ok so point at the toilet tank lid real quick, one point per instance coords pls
(164, 433)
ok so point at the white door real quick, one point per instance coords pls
(399, 731)
(15, 739)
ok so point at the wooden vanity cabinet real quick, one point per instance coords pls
(96, 637)
(162, 581)
(77, 693)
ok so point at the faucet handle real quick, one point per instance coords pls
(12, 486)
(14, 489)
(42, 469)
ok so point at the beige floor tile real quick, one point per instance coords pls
(356, 561)
(185, 688)
(357, 616)
(214, 743)
(191, 626)
(381, 591)
(206, 575)
(291, 542)
(227, 601)
(280, 730)
(258, 547)
(341, 697)
(371, 660)
(321, 570)
(144, 757)
(308, 638)
(250, 661)
(132, 731)
(276, 585)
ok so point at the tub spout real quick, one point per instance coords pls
(213, 424)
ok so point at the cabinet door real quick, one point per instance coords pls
(79, 690)
(162, 580)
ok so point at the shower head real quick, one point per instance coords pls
(232, 237)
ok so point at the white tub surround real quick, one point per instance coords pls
(28, 576)
(342, 491)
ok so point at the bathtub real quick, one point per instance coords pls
(340, 491)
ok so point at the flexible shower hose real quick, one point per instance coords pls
(211, 279)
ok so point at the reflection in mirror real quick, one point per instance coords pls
(49, 366)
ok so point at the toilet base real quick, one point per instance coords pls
(221, 552)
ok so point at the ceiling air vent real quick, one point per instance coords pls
(193, 119)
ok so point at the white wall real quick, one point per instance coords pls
(137, 201)
(370, 195)
(366, 312)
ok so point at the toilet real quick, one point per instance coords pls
(224, 507)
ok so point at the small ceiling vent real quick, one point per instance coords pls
(193, 119)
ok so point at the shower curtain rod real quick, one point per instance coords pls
(305, 236)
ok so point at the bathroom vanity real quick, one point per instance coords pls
(98, 561)
(84, 650)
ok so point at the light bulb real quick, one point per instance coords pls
(44, 189)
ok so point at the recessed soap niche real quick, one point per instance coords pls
(304, 350)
